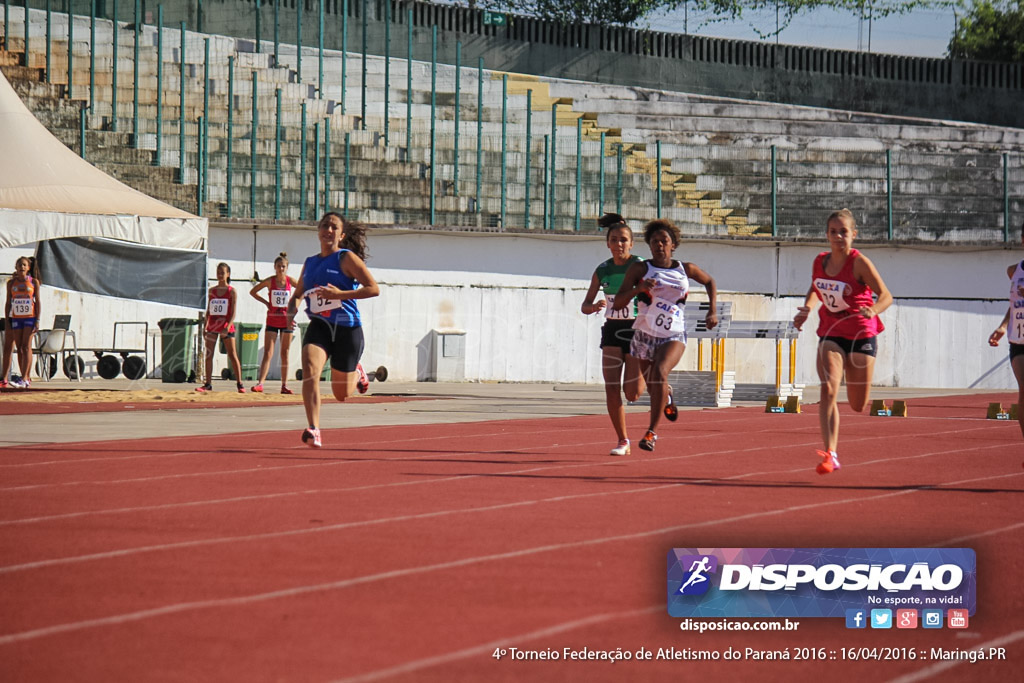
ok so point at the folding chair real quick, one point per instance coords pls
(53, 342)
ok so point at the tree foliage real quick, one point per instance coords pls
(626, 12)
(991, 31)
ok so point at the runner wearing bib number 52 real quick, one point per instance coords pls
(617, 331)
(661, 284)
(331, 282)
(846, 283)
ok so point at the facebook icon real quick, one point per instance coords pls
(856, 618)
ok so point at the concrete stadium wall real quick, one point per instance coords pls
(517, 297)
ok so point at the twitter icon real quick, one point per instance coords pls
(881, 618)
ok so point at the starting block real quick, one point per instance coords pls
(996, 412)
(880, 409)
(774, 404)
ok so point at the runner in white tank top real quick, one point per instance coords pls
(1013, 322)
(661, 284)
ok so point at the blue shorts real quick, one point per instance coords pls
(23, 323)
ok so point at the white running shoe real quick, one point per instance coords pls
(621, 449)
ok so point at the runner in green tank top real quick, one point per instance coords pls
(618, 327)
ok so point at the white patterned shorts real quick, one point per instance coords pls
(644, 346)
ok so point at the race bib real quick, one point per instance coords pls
(664, 318)
(320, 305)
(218, 308)
(621, 314)
(279, 298)
(832, 293)
(21, 307)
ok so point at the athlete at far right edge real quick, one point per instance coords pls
(1014, 319)
(847, 284)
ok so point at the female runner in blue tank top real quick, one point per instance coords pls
(331, 282)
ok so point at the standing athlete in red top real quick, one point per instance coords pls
(279, 290)
(220, 322)
(847, 284)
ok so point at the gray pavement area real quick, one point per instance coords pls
(435, 403)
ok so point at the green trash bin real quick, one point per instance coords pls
(247, 341)
(325, 376)
(176, 348)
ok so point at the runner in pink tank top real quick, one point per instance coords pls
(852, 295)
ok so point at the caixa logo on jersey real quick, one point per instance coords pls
(817, 582)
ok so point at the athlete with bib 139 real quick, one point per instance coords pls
(661, 285)
(852, 295)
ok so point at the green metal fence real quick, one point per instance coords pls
(408, 141)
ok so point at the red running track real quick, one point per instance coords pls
(412, 553)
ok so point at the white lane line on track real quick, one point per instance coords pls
(349, 489)
(745, 418)
(488, 648)
(245, 600)
(32, 487)
(602, 463)
(935, 669)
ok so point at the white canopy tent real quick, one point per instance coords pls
(49, 194)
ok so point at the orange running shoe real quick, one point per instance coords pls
(647, 443)
(671, 412)
(829, 462)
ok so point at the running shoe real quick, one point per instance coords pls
(363, 382)
(311, 437)
(4, 384)
(621, 449)
(241, 389)
(287, 391)
(829, 462)
(258, 389)
(647, 443)
(671, 412)
(205, 388)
